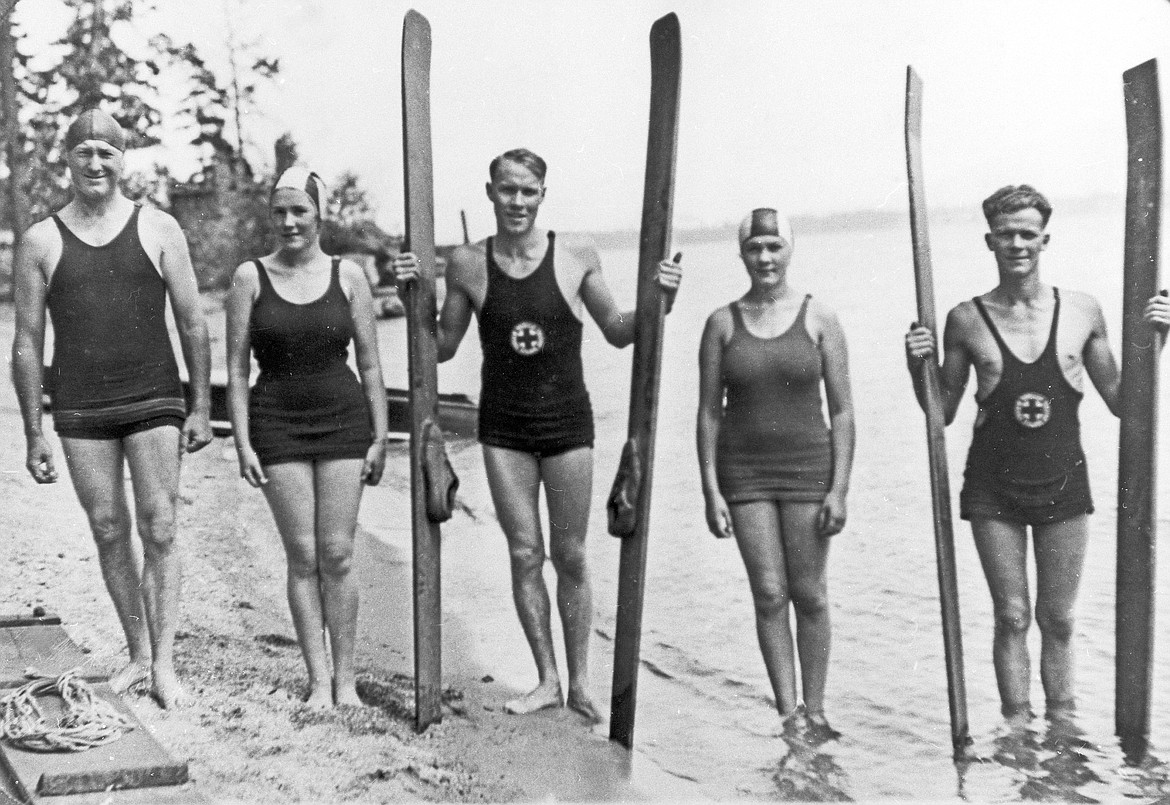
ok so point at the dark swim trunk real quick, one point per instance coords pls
(120, 431)
(543, 437)
(1027, 504)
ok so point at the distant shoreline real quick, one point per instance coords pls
(820, 223)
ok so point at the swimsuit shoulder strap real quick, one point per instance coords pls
(737, 316)
(262, 273)
(800, 316)
(1050, 347)
(1003, 348)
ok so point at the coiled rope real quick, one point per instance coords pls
(88, 721)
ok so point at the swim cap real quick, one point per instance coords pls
(302, 179)
(94, 124)
(765, 221)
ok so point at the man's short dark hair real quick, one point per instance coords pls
(1014, 198)
(523, 157)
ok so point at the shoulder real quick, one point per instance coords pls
(350, 272)
(964, 316)
(578, 247)
(720, 323)
(246, 277)
(467, 261)
(42, 236)
(156, 222)
(821, 313)
(1079, 303)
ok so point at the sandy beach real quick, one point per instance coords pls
(247, 737)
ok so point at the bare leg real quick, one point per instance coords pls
(95, 467)
(806, 554)
(1002, 550)
(1060, 556)
(514, 480)
(568, 488)
(153, 457)
(339, 494)
(291, 496)
(757, 532)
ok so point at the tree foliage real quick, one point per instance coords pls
(91, 69)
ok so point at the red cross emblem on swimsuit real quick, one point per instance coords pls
(527, 338)
(1033, 410)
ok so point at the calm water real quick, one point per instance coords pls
(705, 711)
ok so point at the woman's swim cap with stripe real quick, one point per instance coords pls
(303, 179)
(94, 124)
(767, 222)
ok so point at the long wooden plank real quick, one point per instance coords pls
(944, 537)
(35, 617)
(134, 761)
(423, 359)
(1141, 346)
(657, 208)
(47, 649)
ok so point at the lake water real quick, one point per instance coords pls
(705, 712)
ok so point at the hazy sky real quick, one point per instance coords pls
(796, 103)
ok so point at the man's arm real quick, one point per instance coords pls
(455, 317)
(179, 276)
(956, 364)
(618, 327)
(1100, 364)
(28, 346)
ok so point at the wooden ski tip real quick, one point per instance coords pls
(665, 26)
(414, 18)
(1132, 73)
(913, 82)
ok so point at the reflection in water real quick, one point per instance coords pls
(807, 773)
(1050, 766)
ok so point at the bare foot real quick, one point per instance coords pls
(819, 731)
(346, 694)
(544, 696)
(167, 690)
(580, 702)
(320, 697)
(130, 676)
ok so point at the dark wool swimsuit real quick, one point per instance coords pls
(533, 395)
(773, 441)
(306, 404)
(113, 371)
(1026, 464)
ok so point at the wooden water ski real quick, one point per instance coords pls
(944, 537)
(638, 456)
(1141, 346)
(423, 359)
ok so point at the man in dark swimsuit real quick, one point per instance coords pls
(527, 288)
(104, 268)
(1031, 346)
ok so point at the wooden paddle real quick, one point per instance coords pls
(940, 488)
(1141, 346)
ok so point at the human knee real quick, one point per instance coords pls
(569, 561)
(109, 524)
(1055, 623)
(771, 602)
(156, 521)
(810, 602)
(336, 558)
(1013, 618)
(527, 558)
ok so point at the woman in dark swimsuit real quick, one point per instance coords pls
(774, 475)
(308, 432)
